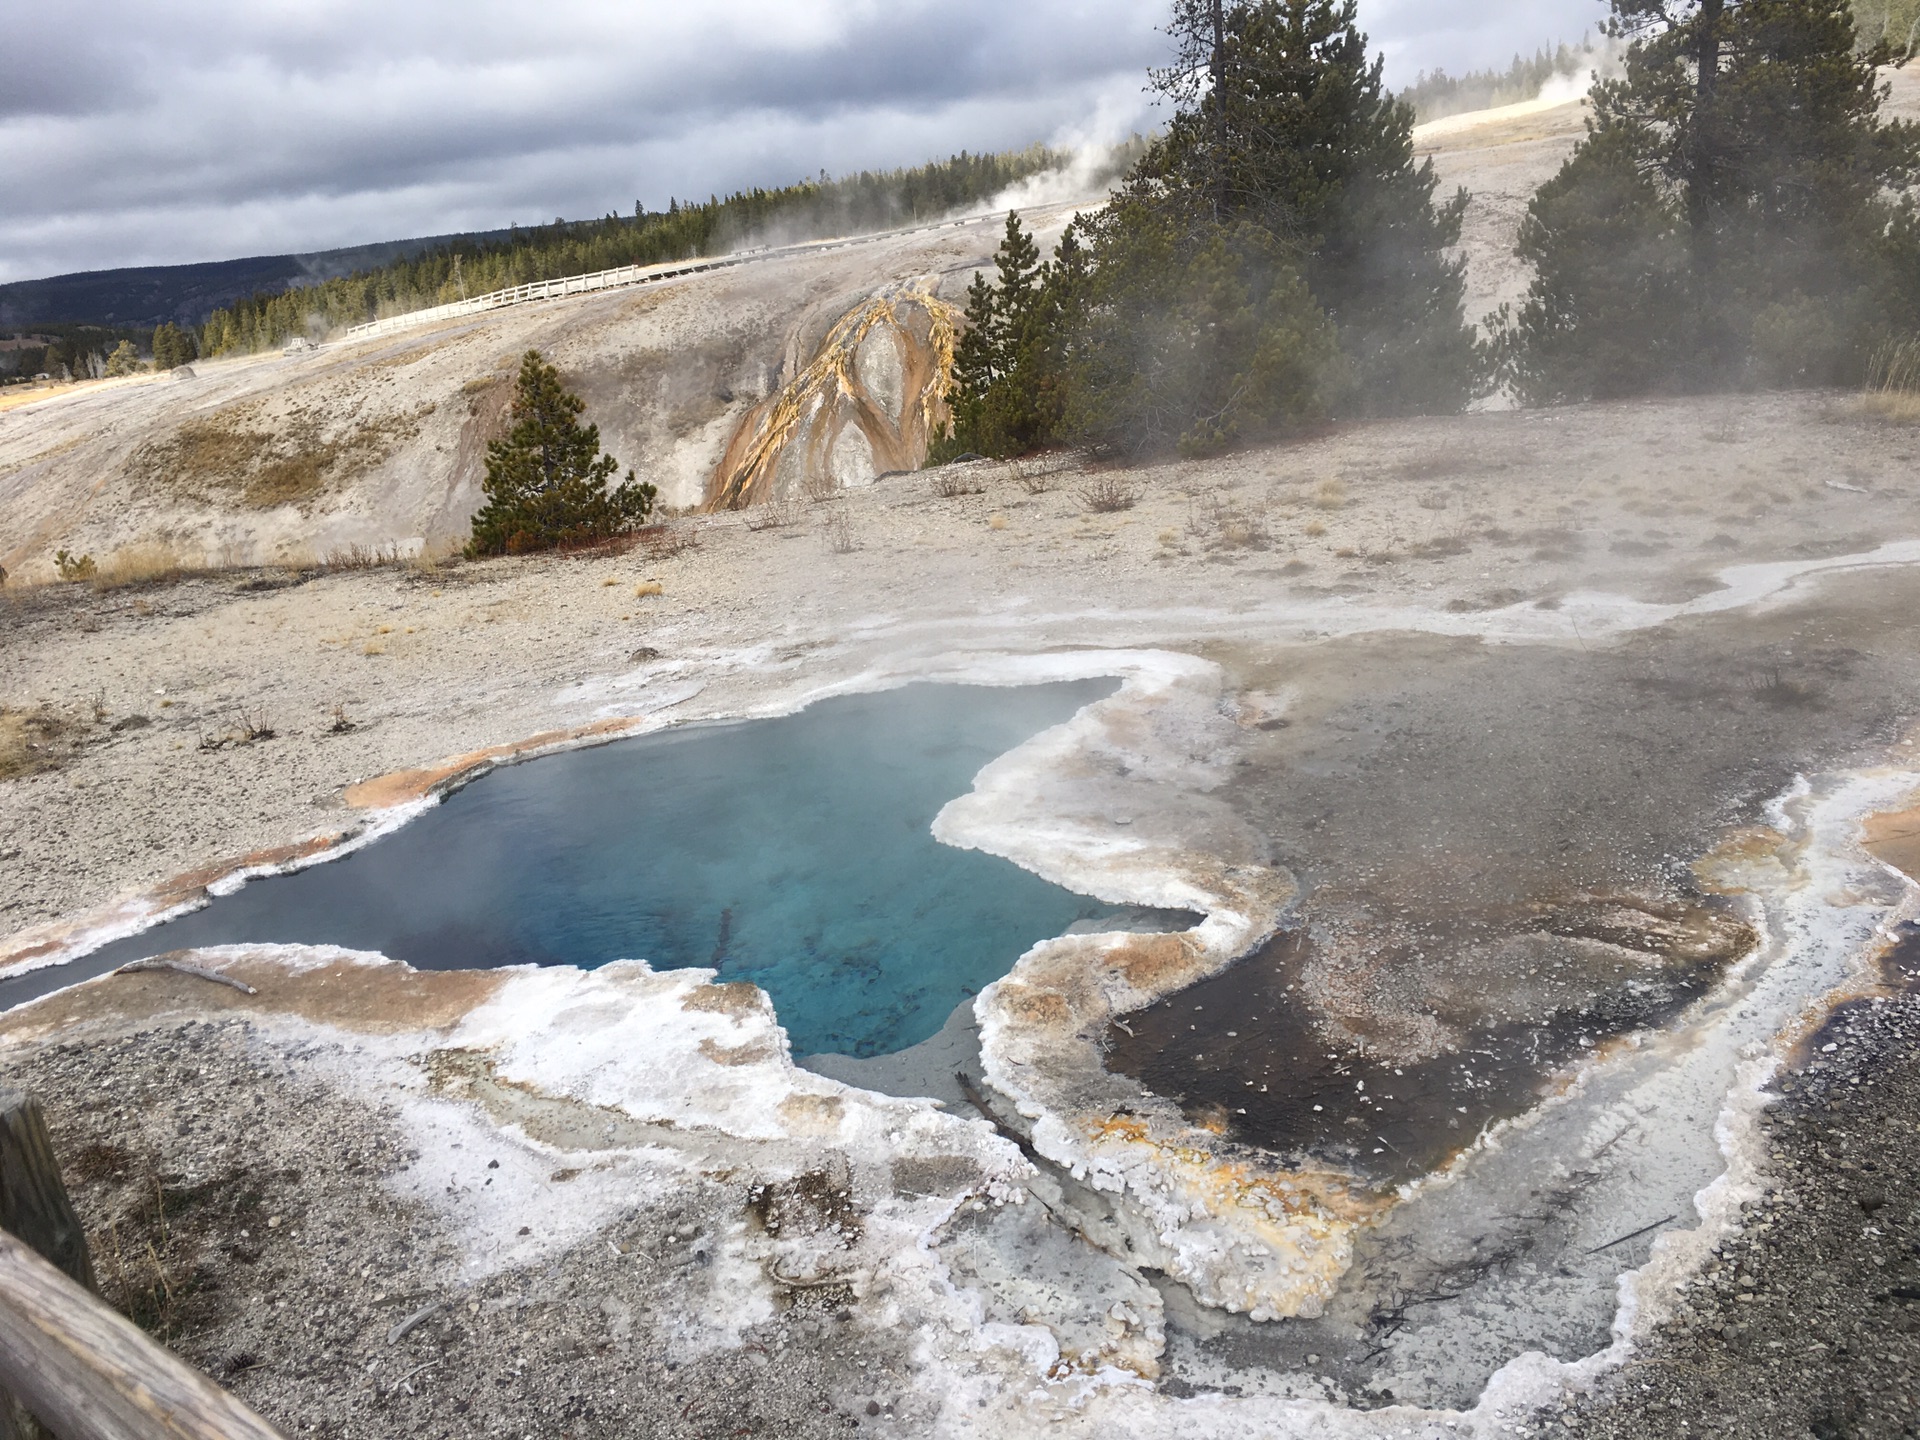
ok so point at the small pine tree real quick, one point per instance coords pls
(1005, 395)
(125, 360)
(546, 483)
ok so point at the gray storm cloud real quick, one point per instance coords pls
(141, 134)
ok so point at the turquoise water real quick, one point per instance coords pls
(795, 853)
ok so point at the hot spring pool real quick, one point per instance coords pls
(795, 853)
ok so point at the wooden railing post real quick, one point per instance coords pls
(87, 1373)
(33, 1199)
(82, 1371)
(34, 1206)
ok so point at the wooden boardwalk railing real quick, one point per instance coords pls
(621, 278)
(78, 1368)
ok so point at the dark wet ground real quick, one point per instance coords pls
(1475, 829)
(1239, 1054)
(1493, 844)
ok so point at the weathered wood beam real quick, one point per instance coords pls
(33, 1198)
(87, 1373)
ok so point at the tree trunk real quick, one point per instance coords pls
(1706, 83)
(1219, 112)
(1703, 162)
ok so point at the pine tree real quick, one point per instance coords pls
(125, 360)
(1005, 393)
(1737, 214)
(546, 483)
(1194, 339)
(173, 347)
(1287, 125)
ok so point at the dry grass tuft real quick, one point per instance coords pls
(1219, 523)
(151, 562)
(1330, 495)
(1893, 382)
(27, 742)
(646, 589)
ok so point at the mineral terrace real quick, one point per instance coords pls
(1545, 782)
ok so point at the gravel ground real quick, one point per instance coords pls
(1807, 1323)
(236, 1209)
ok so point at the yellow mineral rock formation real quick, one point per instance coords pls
(869, 402)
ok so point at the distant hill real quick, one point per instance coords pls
(145, 296)
(256, 303)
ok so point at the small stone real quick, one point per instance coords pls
(873, 1407)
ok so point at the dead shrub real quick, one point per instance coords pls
(839, 533)
(819, 487)
(1032, 479)
(362, 557)
(249, 727)
(950, 484)
(774, 515)
(1108, 495)
(663, 542)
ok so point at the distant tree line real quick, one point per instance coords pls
(79, 352)
(1436, 94)
(812, 209)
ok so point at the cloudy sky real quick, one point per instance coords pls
(158, 131)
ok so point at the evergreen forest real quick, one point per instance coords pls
(1739, 216)
(812, 209)
(1436, 94)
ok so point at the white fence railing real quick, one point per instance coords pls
(618, 279)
